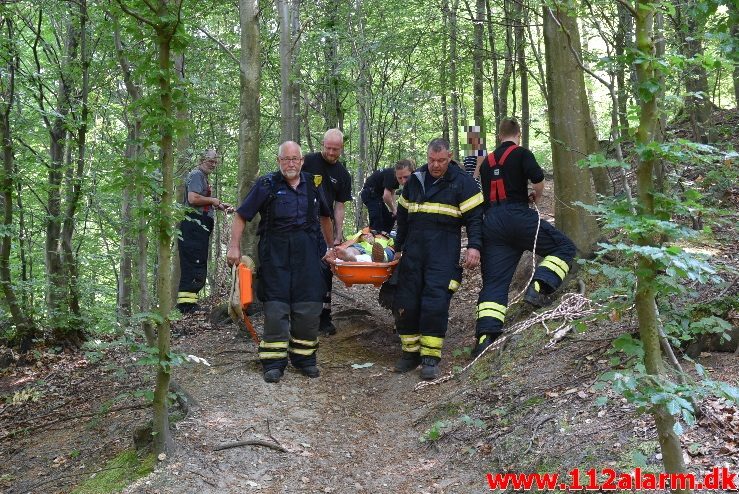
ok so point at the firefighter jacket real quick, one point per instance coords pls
(447, 203)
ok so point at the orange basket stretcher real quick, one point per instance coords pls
(363, 273)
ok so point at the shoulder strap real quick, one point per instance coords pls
(493, 162)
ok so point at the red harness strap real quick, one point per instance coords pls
(207, 194)
(497, 187)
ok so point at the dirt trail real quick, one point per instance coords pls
(351, 430)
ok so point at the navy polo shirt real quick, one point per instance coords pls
(290, 207)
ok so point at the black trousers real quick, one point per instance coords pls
(429, 274)
(292, 288)
(380, 218)
(193, 247)
(508, 231)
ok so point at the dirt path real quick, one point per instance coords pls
(351, 430)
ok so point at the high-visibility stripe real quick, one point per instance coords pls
(304, 342)
(409, 342)
(434, 208)
(491, 309)
(272, 355)
(431, 346)
(472, 202)
(187, 298)
(273, 344)
(302, 351)
(557, 265)
(402, 202)
(453, 285)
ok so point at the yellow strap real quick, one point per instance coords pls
(491, 309)
(302, 351)
(555, 264)
(432, 342)
(472, 202)
(453, 285)
(273, 344)
(272, 355)
(410, 338)
(304, 342)
(434, 208)
(430, 352)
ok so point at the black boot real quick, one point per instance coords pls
(310, 371)
(538, 294)
(408, 362)
(483, 341)
(273, 376)
(429, 368)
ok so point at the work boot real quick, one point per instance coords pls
(310, 371)
(378, 253)
(536, 294)
(273, 376)
(408, 362)
(429, 368)
(483, 341)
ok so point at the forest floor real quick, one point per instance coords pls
(359, 427)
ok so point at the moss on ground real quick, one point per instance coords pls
(118, 473)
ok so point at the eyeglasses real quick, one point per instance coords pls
(292, 159)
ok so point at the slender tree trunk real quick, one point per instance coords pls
(477, 65)
(287, 11)
(508, 56)
(523, 70)
(625, 21)
(249, 112)
(25, 330)
(645, 296)
(443, 78)
(495, 82)
(363, 109)
(453, 77)
(332, 108)
(570, 126)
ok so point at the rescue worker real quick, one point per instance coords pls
(509, 228)
(436, 201)
(378, 195)
(196, 229)
(293, 214)
(336, 184)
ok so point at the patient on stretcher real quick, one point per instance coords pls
(368, 247)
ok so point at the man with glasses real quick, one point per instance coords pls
(294, 214)
(196, 228)
(336, 184)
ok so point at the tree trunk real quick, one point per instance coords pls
(646, 273)
(571, 129)
(495, 83)
(622, 41)
(453, 78)
(287, 11)
(478, 54)
(332, 108)
(523, 71)
(443, 78)
(362, 109)
(24, 326)
(689, 29)
(249, 112)
(508, 56)
(163, 442)
(64, 331)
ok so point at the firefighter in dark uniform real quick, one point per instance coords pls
(378, 195)
(195, 229)
(436, 201)
(293, 214)
(336, 184)
(509, 229)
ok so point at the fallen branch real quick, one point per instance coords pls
(251, 442)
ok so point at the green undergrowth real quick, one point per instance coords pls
(118, 473)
